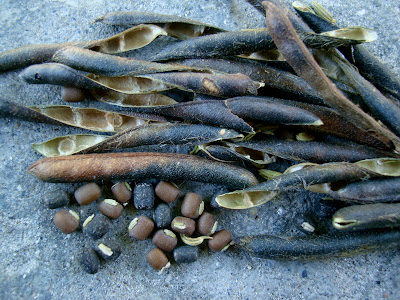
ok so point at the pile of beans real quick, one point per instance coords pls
(174, 236)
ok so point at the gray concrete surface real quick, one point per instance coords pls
(38, 262)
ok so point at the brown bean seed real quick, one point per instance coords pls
(72, 94)
(165, 240)
(87, 193)
(122, 192)
(220, 240)
(157, 259)
(192, 205)
(206, 224)
(166, 191)
(110, 208)
(140, 228)
(183, 225)
(66, 220)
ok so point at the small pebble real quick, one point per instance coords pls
(72, 94)
(157, 259)
(56, 198)
(140, 228)
(107, 249)
(192, 205)
(165, 240)
(186, 254)
(163, 215)
(96, 226)
(183, 225)
(122, 192)
(166, 191)
(143, 196)
(89, 261)
(87, 193)
(66, 220)
(220, 240)
(110, 208)
(207, 224)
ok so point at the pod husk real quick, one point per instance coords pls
(57, 74)
(178, 27)
(236, 43)
(226, 154)
(313, 151)
(369, 191)
(67, 145)
(133, 38)
(110, 65)
(89, 118)
(130, 39)
(221, 85)
(164, 133)
(367, 64)
(208, 111)
(359, 217)
(268, 110)
(319, 247)
(297, 55)
(140, 166)
(125, 100)
(305, 176)
(276, 81)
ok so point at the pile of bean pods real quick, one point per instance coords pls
(301, 92)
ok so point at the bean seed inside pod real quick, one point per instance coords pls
(183, 225)
(72, 94)
(66, 220)
(166, 191)
(165, 240)
(163, 215)
(143, 196)
(122, 192)
(192, 205)
(206, 224)
(157, 259)
(140, 228)
(220, 240)
(87, 193)
(110, 208)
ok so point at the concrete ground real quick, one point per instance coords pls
(39, 262)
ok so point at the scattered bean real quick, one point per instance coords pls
(66, 220)
(163, 215)
(56, 198)
(165, 240)
(186, 254)
(192, 205)
(157, 259)
(140, 228)
(183, 225)
(166, 191)
(108, 250)
(207, 224)
(72, 94)
(110, 208)
(221, 241)
(89, 261)
(87, 193)
(122, 192)
(143, 196)
(96, 226)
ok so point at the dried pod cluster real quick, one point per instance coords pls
(337, 115)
